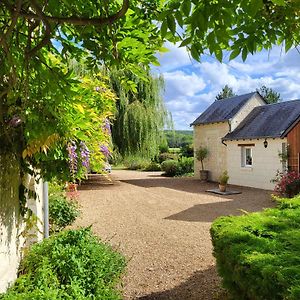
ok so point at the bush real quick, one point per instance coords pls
(153, 166)
(70, 265)
(170, 167)
(135, 163)
(167, 156)
(258, 254)
(186, 165)
(287, 184)
(62, 212)
(187, 150)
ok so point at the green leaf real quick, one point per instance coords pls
(186, 42)
(279, 2)
(195, 53)
(164, 28)
(234, 54)
(186, 7)
(244, 54)
(219, 54)
(171, 23)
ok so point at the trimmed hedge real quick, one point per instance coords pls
(258, 254)
(71, 265)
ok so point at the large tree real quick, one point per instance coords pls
(141, 114)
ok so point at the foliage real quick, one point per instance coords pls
(186, 165)
(135, 162)
(226, 92)
(187, 150)
(164, 147)
(202, 153)
(170, 167)
(223, 178)
(141, 115)
(177, 168)
(179, 138)
(258, 254)
(167, 156)
(287, 184)
(152, 166)
(241, 27)
(71, 265)
(62, 212)
(269, 95)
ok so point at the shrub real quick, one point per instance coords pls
(71, 265)
(288, 184)
(153, 166)
(186, 165)
(258, 254)
(167, 156)
(202, 153)
(170, 167)
(187, 150)
(62, 212)
(135, 163)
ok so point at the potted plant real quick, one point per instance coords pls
(201, 154)
(223, 180)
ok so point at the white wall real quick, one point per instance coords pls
(11, 223)
(266, 162)
(254, 101)
(210, 135)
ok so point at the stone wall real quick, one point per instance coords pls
(12, 226)
(266, 162)
(210, 135)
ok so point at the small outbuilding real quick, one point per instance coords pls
(249, 139)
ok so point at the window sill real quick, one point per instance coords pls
(247, 168)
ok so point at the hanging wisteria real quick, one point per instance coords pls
(85, 155)
(105, 151)
(73, 157)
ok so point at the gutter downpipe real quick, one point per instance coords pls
(46, 209)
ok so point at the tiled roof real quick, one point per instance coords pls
(273, 120)
(223, 110)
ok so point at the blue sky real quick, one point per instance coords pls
(190, 86)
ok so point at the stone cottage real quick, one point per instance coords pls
(246, 136)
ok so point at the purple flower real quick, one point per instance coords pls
(105, 151)
(15, 121)
(106, 126)
(72, 157)
(85, 155)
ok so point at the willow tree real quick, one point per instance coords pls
(141, 114)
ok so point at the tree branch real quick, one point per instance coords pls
(46, 39)
(15, 14)
(74, 20)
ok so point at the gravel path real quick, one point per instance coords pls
(162, 226)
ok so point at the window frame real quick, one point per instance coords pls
(244, 151)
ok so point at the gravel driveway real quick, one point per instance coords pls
(162, 226)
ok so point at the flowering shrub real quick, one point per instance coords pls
(288, 184)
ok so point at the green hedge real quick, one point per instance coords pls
(71, 265)
(258, 255)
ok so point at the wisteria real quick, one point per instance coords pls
(105, 151)
(85, 155)
(72, 157)
(106, 126)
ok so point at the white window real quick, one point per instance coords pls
(247, 160)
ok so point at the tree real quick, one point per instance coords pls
(226, 92)
(141, 115)
(241, 27)
(269, 94)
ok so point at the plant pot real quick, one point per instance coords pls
(222, 188)
(203, 175)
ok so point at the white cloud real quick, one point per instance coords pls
(179, 83)
(191, 86)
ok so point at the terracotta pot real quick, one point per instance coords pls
(222, 188)
(203, 175)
